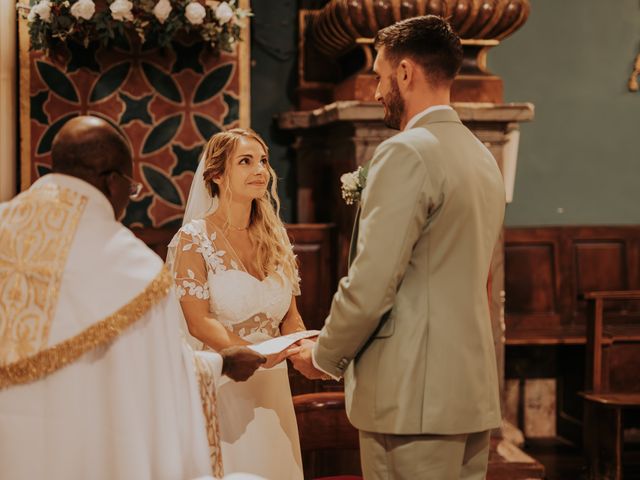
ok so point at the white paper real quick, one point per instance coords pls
(278, 344)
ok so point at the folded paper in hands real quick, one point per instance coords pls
(278, 344)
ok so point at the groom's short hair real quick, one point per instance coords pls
(429, 41)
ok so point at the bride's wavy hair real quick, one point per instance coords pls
(266, 230)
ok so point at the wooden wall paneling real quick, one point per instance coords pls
(534, 292)
(548, 268)
(566, 267)
(532, 279)
(600, 265)
(314, 245)
(634, 263)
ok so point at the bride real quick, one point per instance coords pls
(236, 279)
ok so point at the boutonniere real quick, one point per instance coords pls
(352, 185)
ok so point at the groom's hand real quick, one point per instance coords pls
(239, 363)
(301, 359)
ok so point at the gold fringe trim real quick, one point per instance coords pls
(206, 382)
(100, 334)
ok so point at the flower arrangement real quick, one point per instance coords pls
(50, 21)
(352, 185)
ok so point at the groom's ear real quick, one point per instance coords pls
(405, 72)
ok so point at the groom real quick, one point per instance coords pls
(409, 326)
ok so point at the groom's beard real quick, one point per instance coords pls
(394, 107)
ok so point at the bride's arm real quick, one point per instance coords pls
(207, 329)
(292, 321)
(190, 274)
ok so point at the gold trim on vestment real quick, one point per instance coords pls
(99, 334)
(36, 231)
(207, 384)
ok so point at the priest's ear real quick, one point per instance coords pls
(117, 191)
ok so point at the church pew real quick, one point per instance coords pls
(612, 384)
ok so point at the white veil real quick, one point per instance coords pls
(199, 204)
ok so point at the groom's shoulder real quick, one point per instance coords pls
(418, 140)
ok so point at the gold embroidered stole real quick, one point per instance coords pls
(206, 382)
(36, 231)
(97, 335)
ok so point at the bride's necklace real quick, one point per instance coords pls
(228, 225)
(237, 229)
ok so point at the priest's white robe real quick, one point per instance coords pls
(127, 410)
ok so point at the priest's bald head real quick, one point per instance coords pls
(91, 149)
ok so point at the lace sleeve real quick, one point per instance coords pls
(190, 271)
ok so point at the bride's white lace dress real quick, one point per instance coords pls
(258, 428)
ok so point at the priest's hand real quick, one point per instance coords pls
(239, 363)
(300, 356)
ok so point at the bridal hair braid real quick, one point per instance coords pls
(266, 230)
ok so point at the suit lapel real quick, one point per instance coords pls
(354, 237)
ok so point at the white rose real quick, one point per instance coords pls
(42, 10)
(195, 13)
(121, 10)
(349, 181)
(162, 10)
(83, 9)
(224, 13)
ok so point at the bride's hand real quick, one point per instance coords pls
(275, 358)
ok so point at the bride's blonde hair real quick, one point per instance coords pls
(266, 230)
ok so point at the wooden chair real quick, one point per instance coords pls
(329, 443)
(604, 402)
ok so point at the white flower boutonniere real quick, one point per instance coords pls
(352, 185)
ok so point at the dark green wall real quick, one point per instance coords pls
(581, 154)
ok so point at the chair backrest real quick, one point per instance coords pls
(323, 422)
(609, 368)
(329, 443)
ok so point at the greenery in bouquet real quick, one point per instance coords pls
(218, 23)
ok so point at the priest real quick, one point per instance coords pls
(96, 380)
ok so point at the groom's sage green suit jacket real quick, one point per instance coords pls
(409, 326)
